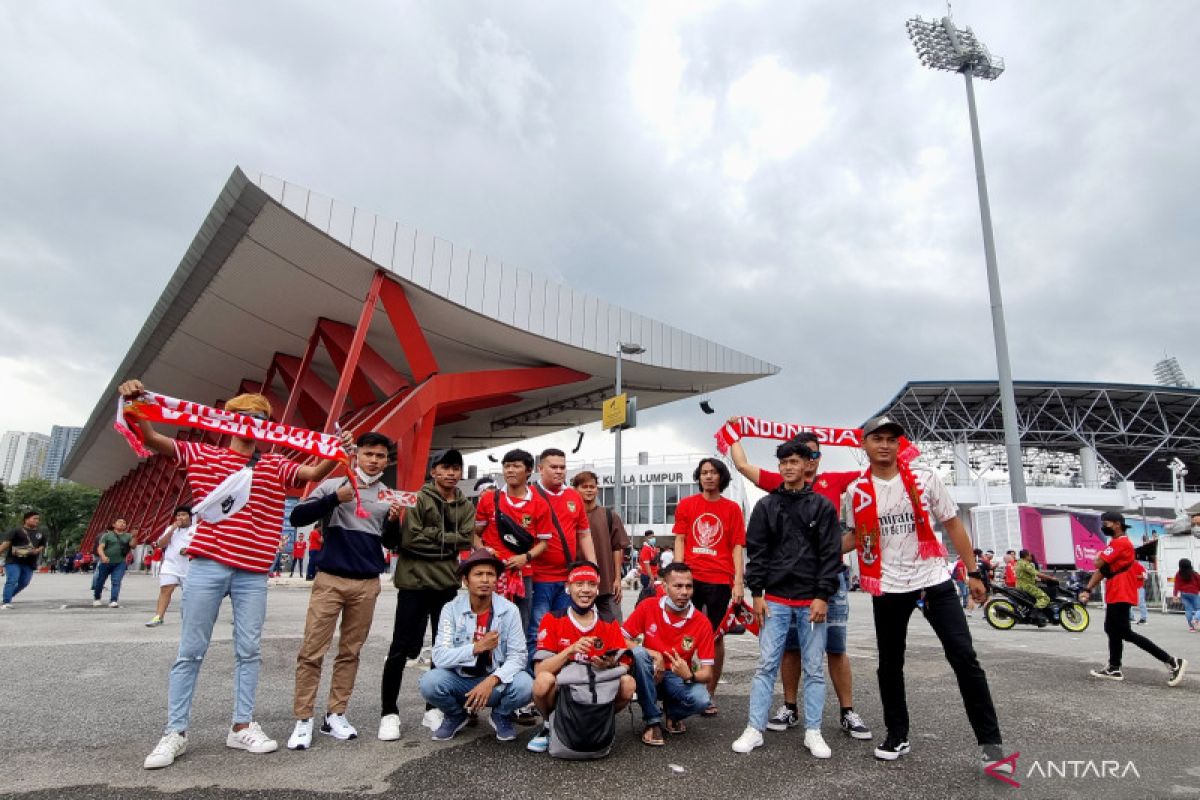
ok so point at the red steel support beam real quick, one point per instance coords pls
(374, 368)
(297, 383)
(421, 361)
(350, 367)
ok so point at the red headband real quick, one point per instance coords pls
(583, 574)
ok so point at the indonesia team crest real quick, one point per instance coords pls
(687, 643)
(571, 506)
(526, 520)
(707, 531)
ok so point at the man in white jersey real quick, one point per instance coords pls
(174, 565)
(906, 576)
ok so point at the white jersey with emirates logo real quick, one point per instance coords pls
(903, 569)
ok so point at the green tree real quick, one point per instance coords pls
(65, 509)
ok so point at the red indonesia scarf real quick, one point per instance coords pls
(747, 427)
(866, 526)
(160, 408)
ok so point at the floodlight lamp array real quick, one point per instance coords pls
(941, 45)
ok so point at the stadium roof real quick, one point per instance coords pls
(272, 258)
(1136, 429)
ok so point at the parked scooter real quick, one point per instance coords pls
(1011, 606)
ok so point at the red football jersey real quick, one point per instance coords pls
(568, 507)
(531, 513)
(710, 530)
(650, 556)
(690, 634)
(559, 630)
(1121, 588)
(830, 485)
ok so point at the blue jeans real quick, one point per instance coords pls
(812, 654)
(547, 596)
(16, 578)
(1142, 611)
(447, 690)
(964, 592)
(835, 623)
(682, 700)
(1191, 607)
(206, 586)
(104, 572)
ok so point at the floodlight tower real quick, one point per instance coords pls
(941, 45)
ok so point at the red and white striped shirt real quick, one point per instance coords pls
(248, 539)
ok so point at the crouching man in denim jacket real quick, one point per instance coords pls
(480, 653)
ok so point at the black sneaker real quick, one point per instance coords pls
(993, 760)
(784, 718)
(854, 727)
(1177, 667)
(892, 748)
(1108, 673)
(526, 715)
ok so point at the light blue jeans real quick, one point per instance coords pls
(447, 690)
(812, 655)
(1191, 608)
(206, 586)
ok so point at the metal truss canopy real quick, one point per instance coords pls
(1134, 429)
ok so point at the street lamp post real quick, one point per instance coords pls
(1141, 501)
(629, 349)
(941, 45)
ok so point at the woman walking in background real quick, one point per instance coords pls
(1187, 588)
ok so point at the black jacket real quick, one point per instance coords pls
(793, 546)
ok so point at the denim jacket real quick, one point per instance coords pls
(452, 649)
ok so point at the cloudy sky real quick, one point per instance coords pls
(783, 177)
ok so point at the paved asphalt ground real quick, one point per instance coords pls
(83, 700)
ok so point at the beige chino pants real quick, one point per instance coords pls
(353, 600)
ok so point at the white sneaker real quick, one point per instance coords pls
(7, 606)
(301, 738)
(166, 751)
(337, 726)
(97, 603)
(749, 740)
(251, 739)
(816, 744)
(114, 604)
(389, 727)
(433, 719)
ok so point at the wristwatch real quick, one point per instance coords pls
(975, 574)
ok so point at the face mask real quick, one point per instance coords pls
(365, 479)
(677, 609)
(582, 611)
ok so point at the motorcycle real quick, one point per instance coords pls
(1011, 606)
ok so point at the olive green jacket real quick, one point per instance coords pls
(431, 536)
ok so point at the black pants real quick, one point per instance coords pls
(415, 609)
(945, 615)
(1116, 625)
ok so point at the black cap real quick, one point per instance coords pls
(882, 423)
(446, 458)
(1114, 516)
(480, 555)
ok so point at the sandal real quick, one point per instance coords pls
(674, 727)
(653, 735)
(711, 711)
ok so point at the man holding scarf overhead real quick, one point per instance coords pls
(902, 562)
(231, 552)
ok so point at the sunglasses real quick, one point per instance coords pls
(260, 415)
(811, 455)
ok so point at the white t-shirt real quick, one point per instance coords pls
(903, 569)
(173, 562)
